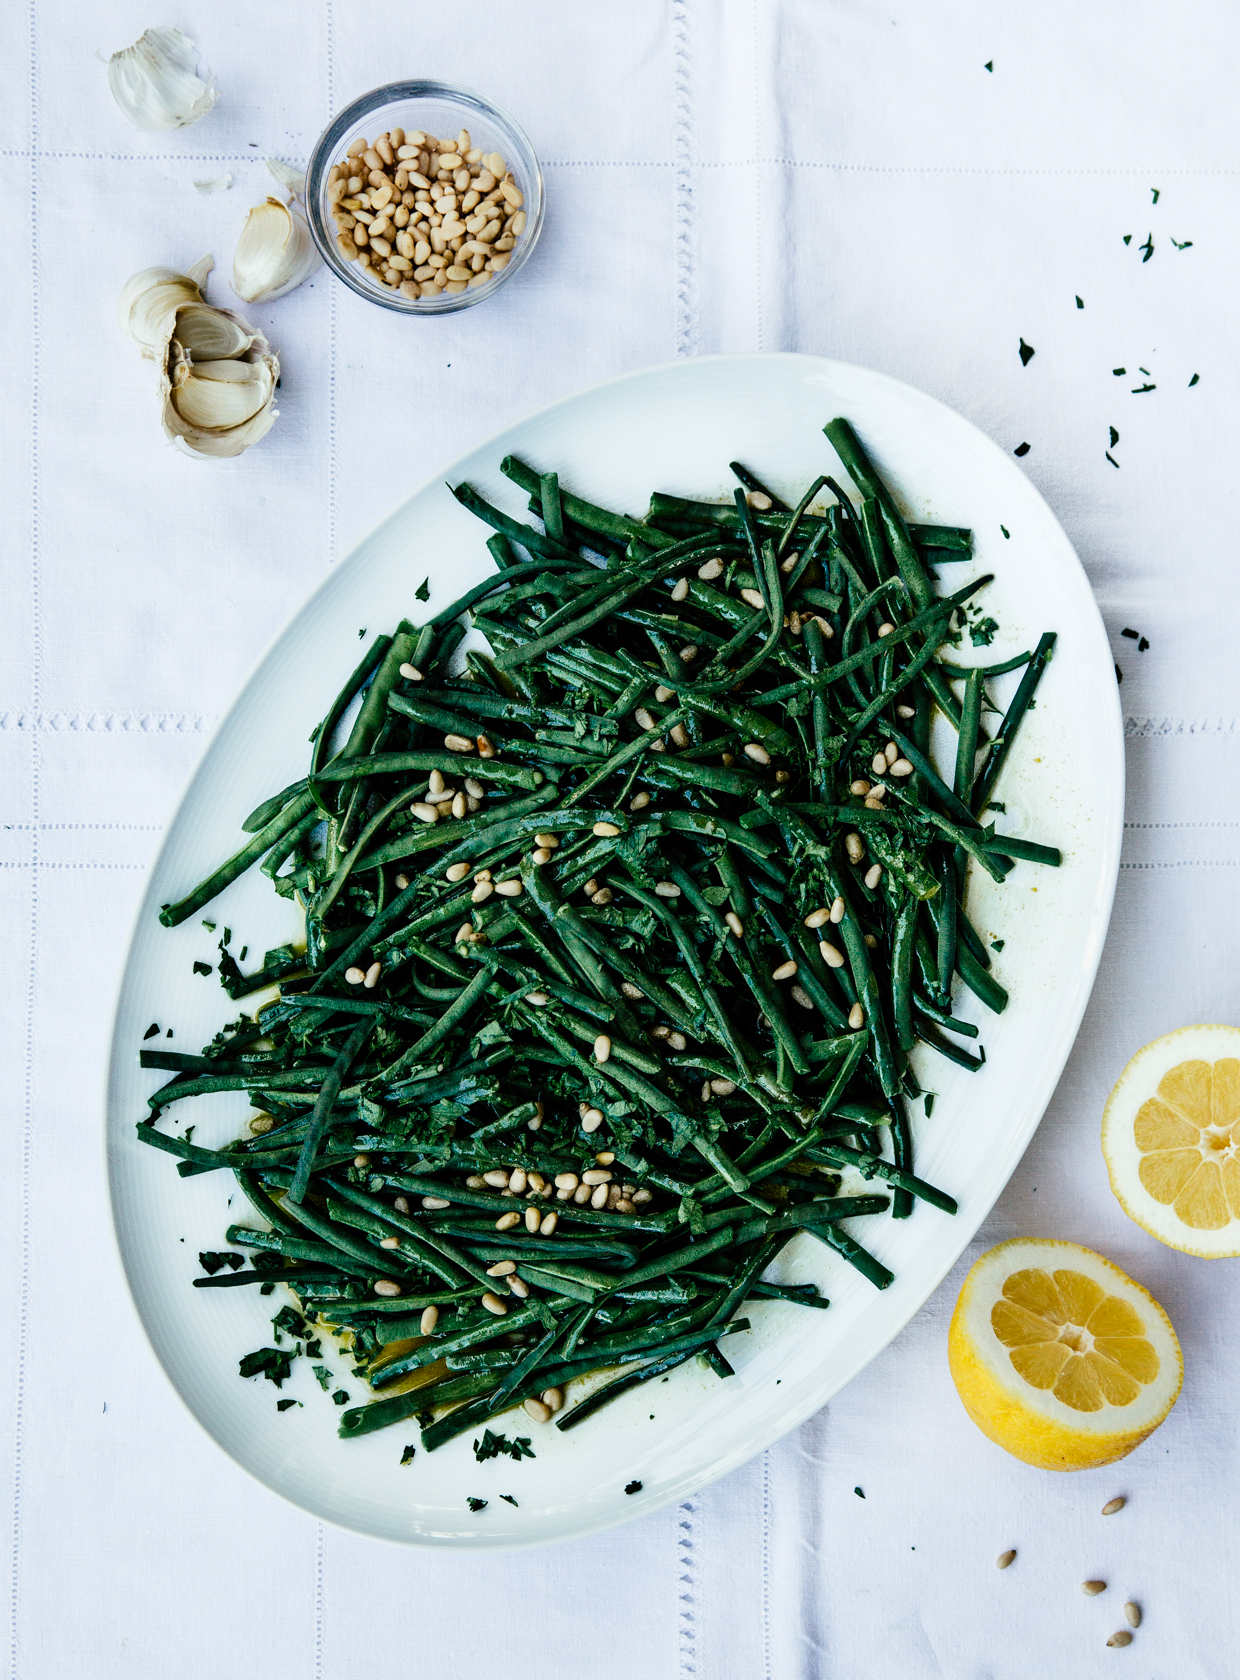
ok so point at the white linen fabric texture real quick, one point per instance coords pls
(913, 188)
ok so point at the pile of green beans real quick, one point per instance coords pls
(619, 936)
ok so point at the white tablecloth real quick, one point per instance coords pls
(907, 186)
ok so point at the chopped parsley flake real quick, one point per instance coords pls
(1027, 353)
(1155, 192)
(492, 1445)
(1021, 449)
(283, 1405)
(1111, 458)
(1005, 531)
(152, 1031)
(271, 1363)
(322, 1376)
(407, 1456)
(1114, 437)
(1181, 244)
(633, 1487)
(478, 1504)
(859, 1493)
(1193, 380)
(202, 968)
(509, 1498)
(989, 65)
(1138, 389)
(341, 1397)
(1148, 247)
(1080, 302)
(1119, 371)
(423, 591)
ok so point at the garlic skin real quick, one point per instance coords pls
(156, 83)
(218, 374)
(274, 254)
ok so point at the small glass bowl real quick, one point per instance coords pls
(435, 108)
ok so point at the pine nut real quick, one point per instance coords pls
(873, 875)
(401, 1204)
(509, 889)
(372, 976)
(676, 1041)
(712, 569)
(759, 501)
(506, 1221)
(465, 931)
(817, 918)
(641, 1197)
(537, 1410)
(475, 1181)
(456, 871)
(430, 1318)
(735, 925)
(680, 589)
(1093, 1588)
(785, 971)
(402, 881)
(856, 1017)
(639, 802)
(722, 1087)
(831, 954)
(1114, 1505)
(871, 942)
(261, 1123)
(598, 1198)
(630, 990)
(541, 855)
(838, 908)
(752, 598)
(854, 847)
(549, 1223)
(497, 1178)
(389, 1242)
(486, 747)
(459, 806)
(538, 999)
(354, 976)
(604, 895)
(878, 764)
(517, 1286)
(860, 787)
(643, 719)
(689, 653)
(517, 1183)
(502, 1268)
(605, 830)
(566, 1181)
(886, 629)
(663, 694)
(386, 1286)
(410, 673)
(553, 1398)
(493, 1304)
(798, 994)
(1120, 1640)
(667, 889)
(901, 767)
(1005, 1559)
(435, 1203)
(549, 841)
(757, 752)
(458, 743)
(591, 1121)
(906, 711)
(874, 804)
(1132, 1614)
(891, 752)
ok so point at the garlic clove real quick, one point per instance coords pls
(216, 396)
(148, 306)
(274, 254)
(156, 83)
(212, 335)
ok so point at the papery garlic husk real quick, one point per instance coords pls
(160, 303)
(219, 408)
(156, 83)
(274, 254)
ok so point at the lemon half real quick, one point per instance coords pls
(1171, 1139)
(1059, 1357)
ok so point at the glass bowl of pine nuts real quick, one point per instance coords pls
(424, 197)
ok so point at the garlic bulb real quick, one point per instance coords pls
(156, 84)
(275, 252)
(218, 374)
